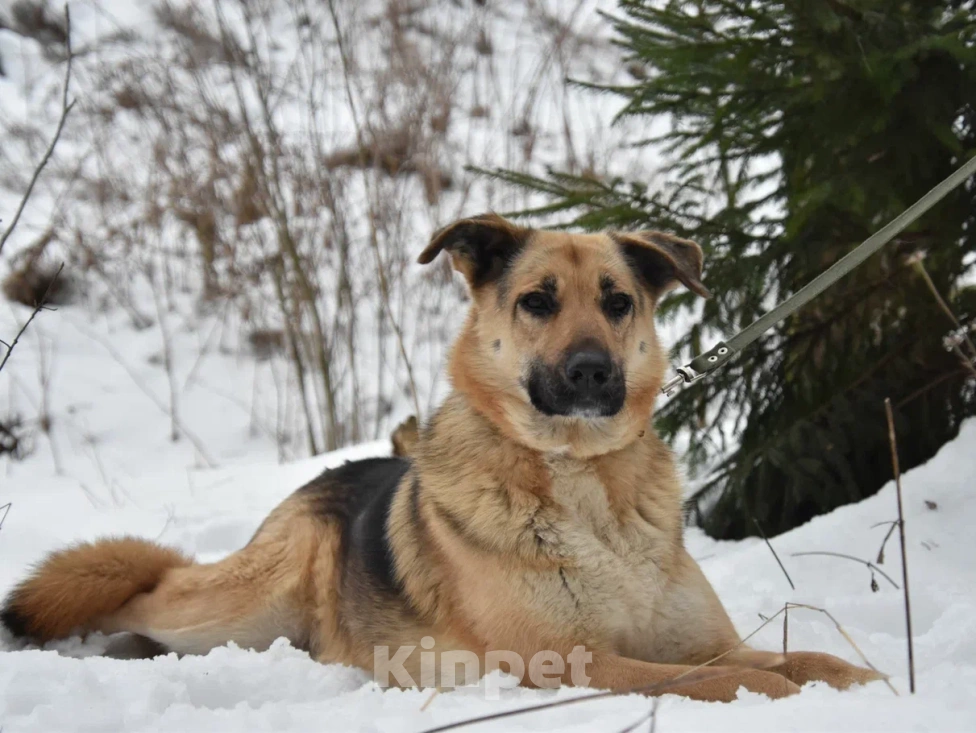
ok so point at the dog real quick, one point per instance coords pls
(537, 512)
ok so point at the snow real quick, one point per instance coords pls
(212, 512)
(107, 464)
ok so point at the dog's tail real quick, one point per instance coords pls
(75, 588)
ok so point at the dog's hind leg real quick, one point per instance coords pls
(133, 585)
(251, 598)
(247, 599)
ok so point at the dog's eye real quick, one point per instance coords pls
(618, 305)
(538, 304)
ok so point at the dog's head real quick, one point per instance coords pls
(559, 350)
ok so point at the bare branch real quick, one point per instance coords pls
(969, 361)
(37, 309)
(66, 108)
(901, 536)
(884, 542)
(381, 274)
(650, 716)
(867, 563)
(778, 561)
(847, 637)
(147, 390)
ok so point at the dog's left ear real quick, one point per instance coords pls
(663, 260)
(480, 247)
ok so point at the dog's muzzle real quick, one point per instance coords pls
(586, 384)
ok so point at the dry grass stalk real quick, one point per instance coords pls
(429, 700)
(659, 688)
(963, 336)
(901, 536)
(66, 108)
(847, 637)
(373, 215)
(650, 717)
(866, 563)
(37, 309)
(778, 561)
(786, 629)
(201, 449)
(892, 526)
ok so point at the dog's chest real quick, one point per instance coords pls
(609, 579)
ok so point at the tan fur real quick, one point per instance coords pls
(251, 598)
(76, 586)
(405, 437)
(511, 529)
(490, 380)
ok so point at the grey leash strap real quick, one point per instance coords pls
(723, 351)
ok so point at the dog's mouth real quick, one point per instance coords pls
(553, 394)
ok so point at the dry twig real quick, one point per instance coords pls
(37, 309)
(892, 526)
(901, 536)
(66, 108)
(650, 716)
(381, 274)
(867, 563)
(429, 700)
(659, 688)
(778, 561)
(147, 390)
(968, 360)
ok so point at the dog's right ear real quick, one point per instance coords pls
(481, 247)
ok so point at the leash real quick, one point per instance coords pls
(723, 351)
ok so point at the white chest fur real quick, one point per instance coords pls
(610, 579)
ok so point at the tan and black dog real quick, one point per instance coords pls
(537, 511)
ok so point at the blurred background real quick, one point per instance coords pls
(241, 188)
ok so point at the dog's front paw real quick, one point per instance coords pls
(803, 667)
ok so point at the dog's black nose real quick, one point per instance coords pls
(588, 371)
(586, 383)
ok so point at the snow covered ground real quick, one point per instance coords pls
(100, 407)
(213, 512)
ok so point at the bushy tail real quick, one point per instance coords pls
(74, 588)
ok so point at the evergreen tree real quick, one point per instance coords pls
(797, 129)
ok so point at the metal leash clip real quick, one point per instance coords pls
(685, 376)
(698, 367)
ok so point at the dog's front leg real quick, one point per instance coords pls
(621, 674)
(803, 667)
